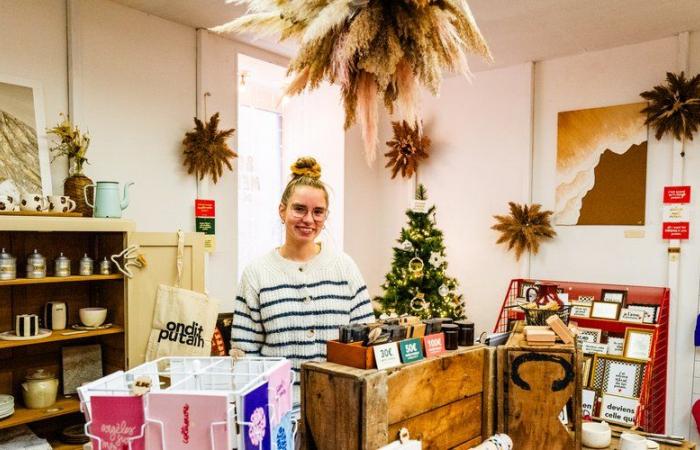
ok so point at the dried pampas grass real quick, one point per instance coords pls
(374, 49)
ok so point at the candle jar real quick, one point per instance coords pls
(451, 335)
(62, 266)
(86, 265)
(36, 265)
(466, 333)
(105, 267)
(8, 266)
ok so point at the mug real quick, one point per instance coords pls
(33, 202)
(26, 325)
(55, 315)
(9, 203)
(629, 441)
(60, 203)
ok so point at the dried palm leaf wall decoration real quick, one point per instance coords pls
(376, 50)
(524, 228)
(206, 151)
(406, 149)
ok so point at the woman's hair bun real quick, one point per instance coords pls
(306, 167)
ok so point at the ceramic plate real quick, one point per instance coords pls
(83, 327)
(11, 336)
(6, 399)
(2, 416)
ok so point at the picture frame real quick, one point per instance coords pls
(587, 366)
(22, 105)
(605, 310)
(631, 315)
(592, 335)
(626, 373)
(584, 300)
(616, 346)
(613, 296)
(618, 409)
(638, 343)
(588, 401)
(651, 312)
(580, 311)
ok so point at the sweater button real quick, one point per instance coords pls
(307, 300)
(301, 269)
(311, 333)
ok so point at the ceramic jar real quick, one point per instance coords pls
(62, 266)
(86, 265)
(8, 266)
(39, 389)
(36, 265)
(105, 267)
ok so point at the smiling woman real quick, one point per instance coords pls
(291, 301)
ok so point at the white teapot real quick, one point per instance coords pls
(39, 389)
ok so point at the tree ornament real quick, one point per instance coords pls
(415, 266)
(436, 259)
(418, 303)
(407, 246)
(206, 150)
(407, 148)
(524, 228)
(674, 107)
(375, 50)
(443, 290)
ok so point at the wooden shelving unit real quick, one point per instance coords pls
(73, 237)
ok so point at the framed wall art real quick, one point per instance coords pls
(605, 310)
(618, 409)
(584, 300)
(23, 143)
(617, 375)
(631, 315)
(589, 334)
(650, 312)
(638, 343)
(616, 346)
(580, 311)
(613, 296)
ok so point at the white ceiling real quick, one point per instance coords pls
(516, 30)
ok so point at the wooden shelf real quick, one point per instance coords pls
(79, 224)
(50, 280)
(56, 336)
(614, 326)
(58, 445)
(24, 415)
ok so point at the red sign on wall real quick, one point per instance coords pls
(677, 194)
(676, 230)
(204, 208)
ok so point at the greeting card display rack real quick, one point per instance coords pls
(204, 376)
(651, 415)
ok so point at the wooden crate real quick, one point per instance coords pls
(445, 401)
(534, 383)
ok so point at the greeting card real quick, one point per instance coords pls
(256, 432)
(187, 421)
(280, 392)
(115, 420)
(282, 438)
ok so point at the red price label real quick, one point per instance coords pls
(676, 230)
(677, 194)
(434, 344)
(204, 208)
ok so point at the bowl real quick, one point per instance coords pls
(93, 317)
(595, 435)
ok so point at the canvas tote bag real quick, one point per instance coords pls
(183, 320)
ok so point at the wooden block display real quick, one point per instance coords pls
(534, 384)
(446, 402)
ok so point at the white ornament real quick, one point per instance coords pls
(436, 259)
(443, 290)
(406, 246)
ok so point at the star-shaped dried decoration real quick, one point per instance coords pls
(206, 150)
(674, 107)
(524, 228)
(408, 147)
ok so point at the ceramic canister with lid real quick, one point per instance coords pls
(36, 265)
(86, 265)
(8, 266)
(39, 389)
(62, 266)
(105, 267)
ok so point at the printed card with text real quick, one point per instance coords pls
(280, 392)
(434, 344)
(115, 420)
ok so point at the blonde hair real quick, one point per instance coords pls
(305, 172)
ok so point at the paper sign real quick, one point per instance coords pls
(591, 347)
(587, 402)
(434, 344)
(616, 409)
(209, 243)
(676, 230)
(677, 194)
(116, 420)
(204, 208)
(676, 213)
(279, 383)
(631, 315)
(387, 355)
(411, 350)
(420, 206)
(205, 225)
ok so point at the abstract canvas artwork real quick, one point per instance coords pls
(23, 147)
(601, 166)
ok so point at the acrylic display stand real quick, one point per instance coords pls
(210, 377)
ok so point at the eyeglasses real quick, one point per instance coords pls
(318, 214)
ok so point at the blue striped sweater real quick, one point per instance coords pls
(291, 309)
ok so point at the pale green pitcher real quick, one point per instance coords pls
(107, 201)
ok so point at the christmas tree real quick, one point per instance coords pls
(417, 283)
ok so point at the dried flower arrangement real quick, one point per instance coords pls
(674, 107)
(72, 143)
(408, 147)
(206, 150)
(372, 48)
(524, 228)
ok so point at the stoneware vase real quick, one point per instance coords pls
(73, 187)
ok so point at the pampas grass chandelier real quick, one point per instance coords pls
(373, 49)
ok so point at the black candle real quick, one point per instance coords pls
(466, 333)
(451, 335)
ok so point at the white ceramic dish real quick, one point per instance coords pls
(92, 317)
(596, 435)
(77, 326)
(12, 336)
